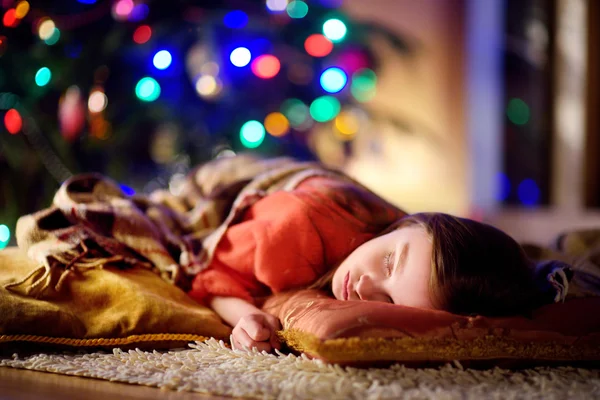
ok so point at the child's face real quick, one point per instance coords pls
(393, 268)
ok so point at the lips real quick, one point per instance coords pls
(346, 280)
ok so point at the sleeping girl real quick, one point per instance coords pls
(241, 229)
(331, 233)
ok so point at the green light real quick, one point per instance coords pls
(42, 76)
(297, 9)
(518, 111)
(4, 236)
(147, 89)
(53, 38)
(363, 84)
(334, 29)
(295, 111)
(324, 108)
(252, 134)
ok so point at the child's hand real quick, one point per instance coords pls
(256, 330)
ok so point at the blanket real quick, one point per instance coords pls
(92, 223)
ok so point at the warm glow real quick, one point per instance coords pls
(277, 124)
(318, 45)
(266, 66)
(97, 101)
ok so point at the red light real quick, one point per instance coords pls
(142, 34)
(3, 45)
(13, 121)
(265, 66)
(10, 19)
(318, 45)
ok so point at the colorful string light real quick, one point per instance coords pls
(13, 121)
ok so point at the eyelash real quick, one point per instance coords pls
(387, 263)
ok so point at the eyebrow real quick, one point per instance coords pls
(401, 261)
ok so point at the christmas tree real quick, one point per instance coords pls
(142, 91)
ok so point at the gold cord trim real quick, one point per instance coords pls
(151, 337)
(421, 349)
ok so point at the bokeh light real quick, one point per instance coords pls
(208, 86)
(13, 121)
(529, 193)
(3, 44)
(97, 101)
(517, 111)
(147, 89)
(22, 9)
(252, 134)
(277, 5)
(4, 236)
(297, 9)
(318, 45)
(142, 34)
(364, 82)
(139, 12)
(162, 59)
(502, 186)
(240, 57)
(347, 125)
(277, 124)
(266, 66)
(10, 19)
(53, 39)
(235, 19)
(324, 108)
(333, 80)
(46, 29)
(295, 111)
(334, 29)
(122, 9)
(127, 190)
(43, 76)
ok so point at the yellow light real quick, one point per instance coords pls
(97, 101)
(208, 86)
(347, 125)
(277, 124)
(210, 68)
(22, 9)
(46, 29)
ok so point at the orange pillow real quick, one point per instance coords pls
(359, 333)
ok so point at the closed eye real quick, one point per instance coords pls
(387, 263)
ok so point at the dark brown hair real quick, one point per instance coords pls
(476, 268)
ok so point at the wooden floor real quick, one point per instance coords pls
(17, 384)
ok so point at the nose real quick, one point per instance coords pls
(367, 289)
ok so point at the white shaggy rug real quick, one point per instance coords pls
(211, 367)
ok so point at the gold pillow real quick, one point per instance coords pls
(101, 307)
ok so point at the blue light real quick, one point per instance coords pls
(333, 79)
(4, 236)
(235, 19)
(139, 12)
(162, 59)
(529, 193)
(240, 57)
(87, 1)
(127, 190)
(502, 186)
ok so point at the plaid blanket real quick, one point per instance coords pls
(92, 223)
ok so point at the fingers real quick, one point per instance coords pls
(241, 339)
(257, 331)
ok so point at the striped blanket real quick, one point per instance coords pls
(92, 223)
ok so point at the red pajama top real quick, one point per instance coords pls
(289, 239)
